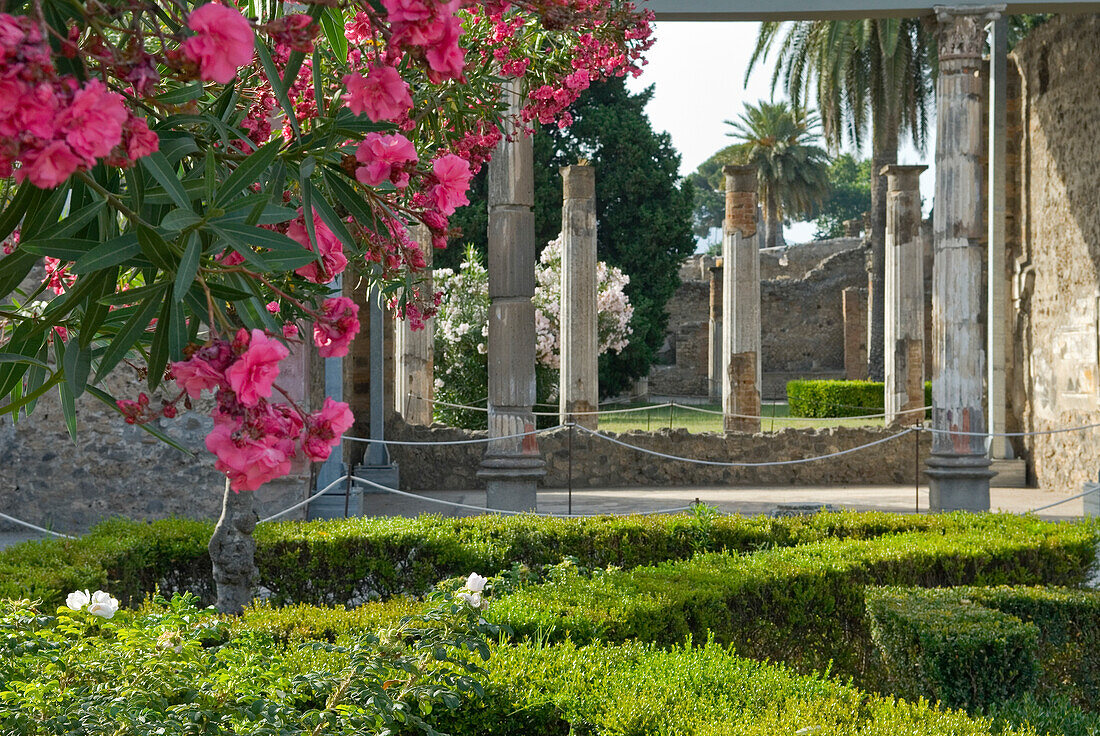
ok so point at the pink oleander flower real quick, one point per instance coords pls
(290, 331)
(139, 140)
(382, 94)
(223, 42)
(453, 176)
(93, 122)
(385, 157)
(37, 113)
(50, 166)
(248, 462)
(338, 327)
(197, 375)
(253, 374)
(324, 428)
(333, 260)
(446, 59)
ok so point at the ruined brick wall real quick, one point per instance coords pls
(1056, 249)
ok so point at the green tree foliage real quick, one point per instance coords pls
(791, 169)
(849, 195)
(709, 184)
(643, 209)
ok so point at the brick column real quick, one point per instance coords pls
(714, 347)
(854, 309)
(579, 379)
(904, 294)
(414, 378)
(958, 469)
(512, 467)
(740, 302)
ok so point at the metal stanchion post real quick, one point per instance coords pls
(570, 481)
(671, 406)
(916, 467)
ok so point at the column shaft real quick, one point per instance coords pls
(740, 303)
(413, 372)
(958, 469)
(714, 352)
(579, 378)
(997, 310)
(512, 466)
(904, 294)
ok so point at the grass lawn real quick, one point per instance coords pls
(775, 417)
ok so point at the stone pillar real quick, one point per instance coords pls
(740, 302)
(579, 389)
(512, 467)
(714, 351)
(958, 469)
(904, 294)
(414, 377)
(854, 310)
(997, 308)
(852, 228)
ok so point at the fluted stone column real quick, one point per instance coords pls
(958, 469)
(579, 389)
(904, 293)
(413, 372)
(714, 351)
(512, 467)
(740, 303)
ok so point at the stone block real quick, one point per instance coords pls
(511, 252)
(511, 349)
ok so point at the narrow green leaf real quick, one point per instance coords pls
(177, 220)
(17, 358)
(258, 237)
(156, 248)
(329, 217)
(189, 266)
(249, 172)
(352, 201)
(13, 213)
(181, 95)
(64, 249)
(134, 328)
(165, 174)
(95, 312)
(74, 222)
(77, 362)
(68, 400)
(158, 350)
(332, 22)
(13, 269)
(29, 397)
(134, 296)
(276, 83)
(45, 211)
(112, 253)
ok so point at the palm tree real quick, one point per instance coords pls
(879, 71)
(792, 171)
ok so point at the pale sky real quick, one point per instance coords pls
(698, 70)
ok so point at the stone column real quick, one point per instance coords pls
(512, 467)
(740, 303)
(714, 348)
(904, 294)
(578, 389)
(997, 308)
(854, 310)
(958, 469)
(413, 372)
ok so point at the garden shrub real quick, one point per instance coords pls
(824, 398)
(344, 561)
(637, 689)
(802, 605)
(951, 649)
(1067, 622)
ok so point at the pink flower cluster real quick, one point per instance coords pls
(52, 126)
(385, 158)
(382, 94)
(255, 440)
(58, 278)
(222, 44)
(333, 260)
(431, 29)
(336, 327)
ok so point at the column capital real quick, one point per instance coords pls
(740, 177)
(900, 178)
(578, 181)
(961, 29)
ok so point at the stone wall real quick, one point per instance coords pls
(599, 463)
(1055, 250)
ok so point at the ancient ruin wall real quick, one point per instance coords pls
(1056, 283)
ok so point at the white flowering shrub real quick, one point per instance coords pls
(462, 329)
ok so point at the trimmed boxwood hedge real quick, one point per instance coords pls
(803, 605)
(822, 398)
(347, 561)
(1066, 645)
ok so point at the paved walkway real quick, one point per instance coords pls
(748, 501)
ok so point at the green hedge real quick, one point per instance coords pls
(1067, 623)
(348, 561)
(952, 650)
(839, 398)
(637, 689)
(804, 605)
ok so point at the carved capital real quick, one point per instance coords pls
(961, 29)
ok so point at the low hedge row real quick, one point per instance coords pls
(803, 605)
(822, 398)
(349, 561)
(931, 649)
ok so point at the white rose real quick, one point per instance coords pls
(472, 599)
(103, 604)
(78, 599)
(475, 583)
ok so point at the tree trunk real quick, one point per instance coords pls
(233, 551)
(771, 216)
(884, 153)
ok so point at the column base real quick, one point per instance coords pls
(511, 483)
(958, 482)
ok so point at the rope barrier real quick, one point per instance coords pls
(300, 504)
(1083, 427)
(794, 419)
(439, 443)
(722, 464)
(36, 528)
(547, 413)
(1095, 487)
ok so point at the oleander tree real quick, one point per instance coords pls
(196, 175)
